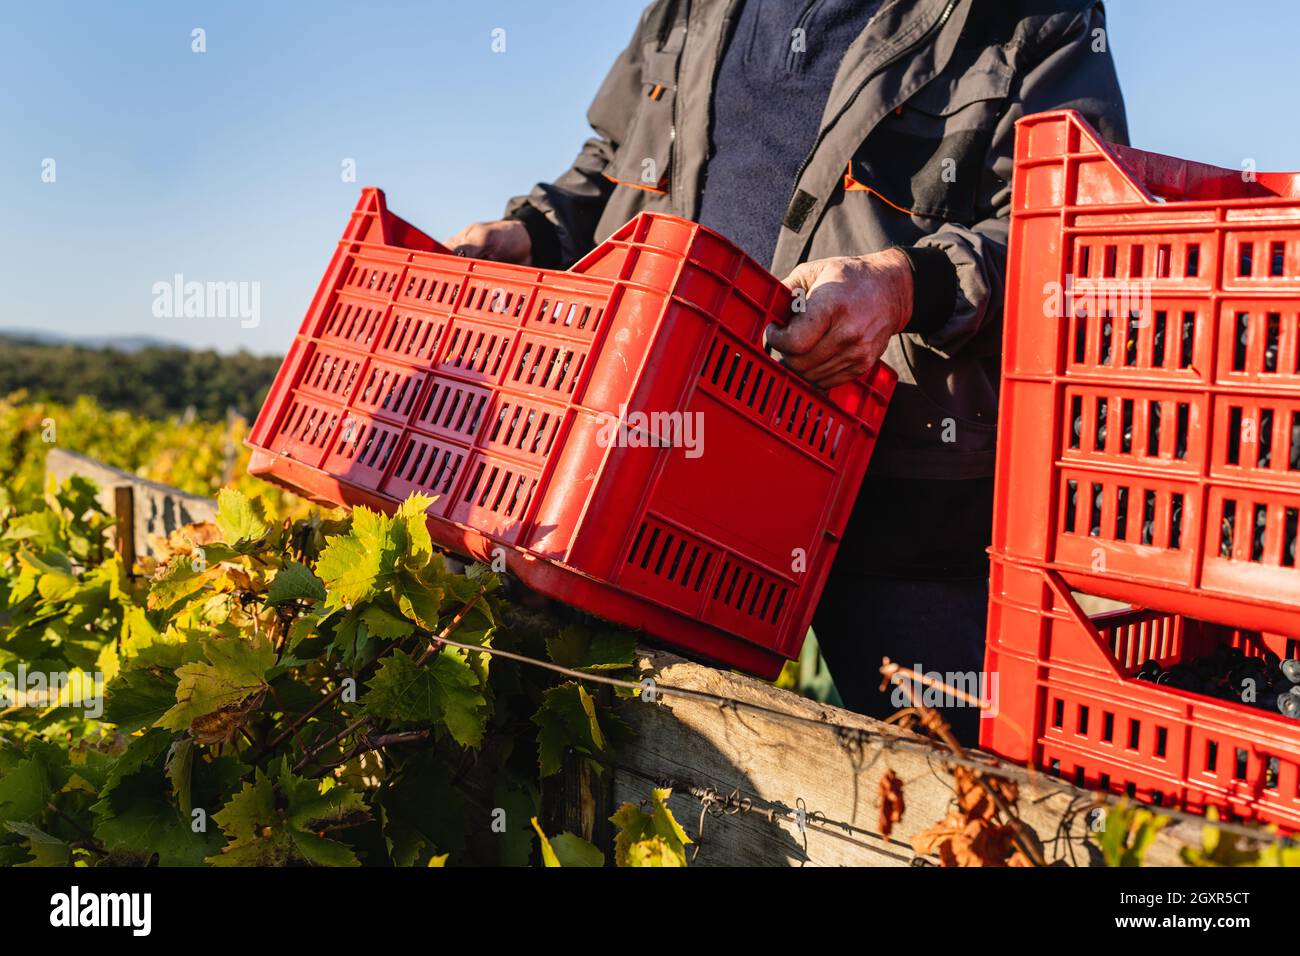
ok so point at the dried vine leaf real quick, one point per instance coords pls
(891, 803)
(970, 834)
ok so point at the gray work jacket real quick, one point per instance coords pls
(914, 150)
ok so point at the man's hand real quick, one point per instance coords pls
(503, 240)
(853, 305)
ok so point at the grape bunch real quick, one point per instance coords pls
(1266, 682)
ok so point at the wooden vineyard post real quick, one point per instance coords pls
(124, 513)
(580, 800)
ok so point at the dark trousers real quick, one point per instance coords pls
(931, 626)
(910, 583)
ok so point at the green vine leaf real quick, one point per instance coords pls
(135, 815)
(138, 697)
(179, 767)
(350, 568)
(45, 850)
(649, 839)
(262, 832)
(445, 690)
(566, 849)
(214, 698)
(1127, 834)
(569, 717)
(577, 648)
(295, 582)
(241, 520)
(25, 789)
(381, 623)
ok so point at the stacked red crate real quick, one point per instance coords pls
(1149, 452)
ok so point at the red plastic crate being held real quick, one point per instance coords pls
(1149, 452)
(616, 429)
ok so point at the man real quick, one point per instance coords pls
(862, 149)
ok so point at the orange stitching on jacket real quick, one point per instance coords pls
(852, 185)
(650, 189)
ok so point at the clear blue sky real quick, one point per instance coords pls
(226, 165)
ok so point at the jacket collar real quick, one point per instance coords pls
(902, 49)
(931, 26)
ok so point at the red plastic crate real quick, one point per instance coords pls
(494, 387)
(1149, 433)
(1149, 452)
(1069, 703)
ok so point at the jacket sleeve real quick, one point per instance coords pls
(561, 216)
(960, 271)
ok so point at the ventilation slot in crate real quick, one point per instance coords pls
(505, 301)
(1261, 260)
(424, 465)
(748, 381)
(305, 430)
(495, 495)
(376, 278)
(1259, 343)
(1135, 637)
(1185, 261)
(476, 351)
(546, 366)
(413, 336)
(524, 428)
(1123, 509)
(1257, 438)
(453, 409)
(748, 591)
(810, 422)
(672, 558)
(430, 290)
(569, 315)
(1115, 338)
(331, 373)
(1253, 527)
(1132, 427)
(362, 450)
(353, 321)
(390, 391)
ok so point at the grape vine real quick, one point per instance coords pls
(276, 693)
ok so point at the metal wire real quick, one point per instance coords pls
(714, 804)
(886, 736)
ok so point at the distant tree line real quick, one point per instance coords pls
(157, 382)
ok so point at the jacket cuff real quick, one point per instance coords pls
(934, 288)
(541, 232)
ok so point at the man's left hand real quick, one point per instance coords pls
(853, 305)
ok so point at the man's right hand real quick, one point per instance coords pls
(503, 240)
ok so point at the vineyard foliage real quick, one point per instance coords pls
(276, 690)
(196, 456)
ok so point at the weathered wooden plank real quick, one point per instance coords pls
(783, 767)
(158, 509)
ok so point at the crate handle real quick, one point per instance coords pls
(880, 378)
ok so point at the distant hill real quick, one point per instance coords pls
(133, 373)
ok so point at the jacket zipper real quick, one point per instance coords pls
(930, 30)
